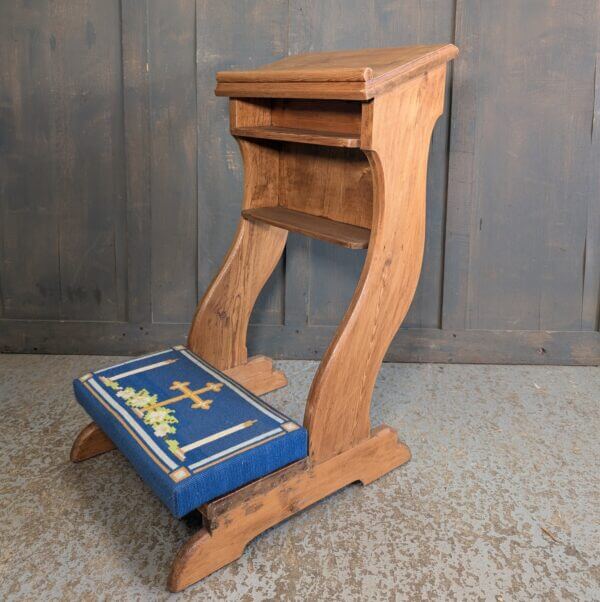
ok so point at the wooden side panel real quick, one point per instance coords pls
(173, 159)
(229, 35)
(218, 331)
(337, 411)
(525, 170)
(332, 273)
(62, 194)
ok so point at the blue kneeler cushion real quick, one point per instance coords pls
(190, 432)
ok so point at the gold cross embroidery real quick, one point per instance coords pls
(187, 393)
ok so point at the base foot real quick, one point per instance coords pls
(235, 519)
(202, 554)
(90, 442)
(258, 375)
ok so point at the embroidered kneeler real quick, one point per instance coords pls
(191, 433)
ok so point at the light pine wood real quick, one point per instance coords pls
(385, 202)
(335, 183)
(219, 328)
(261, 173)
(346, 235)
(304, 173)
(345, 75)
(257, 375)
(236, 519)
(90, 442)
(363, 64)
(337, 411)
(333, 116)
(322, 90)
(324, 181)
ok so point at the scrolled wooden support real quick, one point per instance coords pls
(395, 133)
(220, 326)
(397, 129)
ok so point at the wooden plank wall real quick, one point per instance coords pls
(120, 184)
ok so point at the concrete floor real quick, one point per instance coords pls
(500, 502)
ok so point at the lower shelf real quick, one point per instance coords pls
(346, 235)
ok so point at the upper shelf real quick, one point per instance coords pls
(346, 74)
(303, 136)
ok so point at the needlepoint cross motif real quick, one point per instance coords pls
(161, 419)
(187, 393)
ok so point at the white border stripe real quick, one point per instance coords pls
(234, 448)
(137, 359)
(142, 369)
(240, 392)
(234, 429)
(136, 427)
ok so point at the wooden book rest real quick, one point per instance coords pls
(335, 146)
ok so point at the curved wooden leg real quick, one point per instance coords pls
(218, 331)
(337, 413)
(90, 442)
(219, 328)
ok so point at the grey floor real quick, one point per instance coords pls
(501, 500)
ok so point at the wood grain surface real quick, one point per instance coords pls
(338, 408)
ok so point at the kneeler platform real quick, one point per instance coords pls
(335, 147)
(192, 433)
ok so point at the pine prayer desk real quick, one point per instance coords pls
(335, 146)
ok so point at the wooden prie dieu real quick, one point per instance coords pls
(335, 146)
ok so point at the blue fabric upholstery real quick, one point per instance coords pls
(190, 432)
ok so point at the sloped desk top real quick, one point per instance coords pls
(345, 74)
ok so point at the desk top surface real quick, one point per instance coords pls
(360, 74)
